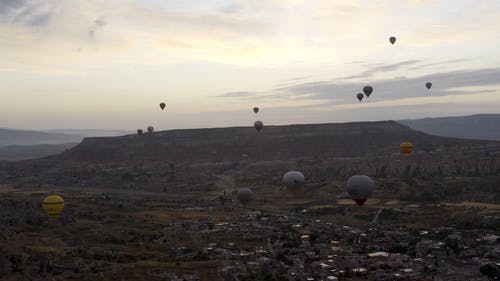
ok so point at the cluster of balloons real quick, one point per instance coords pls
(359, 187)
(367, 90)
(258, 125)
(151, 129)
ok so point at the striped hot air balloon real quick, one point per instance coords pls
(53, 206)
(406, 148)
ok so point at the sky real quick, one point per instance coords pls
(108, 64)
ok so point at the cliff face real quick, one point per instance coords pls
(272, 143)
(192, 159)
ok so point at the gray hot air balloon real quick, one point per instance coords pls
(392, 40)
(245, 195)
(360, 188)
(360, 96)
(428, 85)
(255, 109)
(151, 129)
(368, 90)
(258, 125)
(140, 131)
(294, 180)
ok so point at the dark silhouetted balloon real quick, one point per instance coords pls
(162, 105)
(406, 148)
(258, 125)
(392, 40)
(360, 96)
(245, 195)
(140, 131)
(294, 180)
(368, 90)
(360, 188)
(255, 110)
(151, 129)
(428, 85)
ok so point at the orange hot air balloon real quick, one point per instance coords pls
(406, 148)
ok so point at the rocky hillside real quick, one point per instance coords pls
(360, 139)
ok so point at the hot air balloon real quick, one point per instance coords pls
(406, 148)
(255, 110)
(258, 125)
(360, 96)
(162, 105)
(428, 85)
(245, 195)
(392, 40)
(151, 129)
(368, 90)
(53, 206)
(140, 131)
(294, 180)
(360, 188)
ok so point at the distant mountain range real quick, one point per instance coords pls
(10, 137)
(480, 126)
(18, 137)
(92, 132)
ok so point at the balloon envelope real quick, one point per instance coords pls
(151, 129)
(360, 96)
(392, 40)
(255, 109)
(428, 85)
(368, 90)
(245, 195)
(360, 188)
(53, 206)
(162, 105)
(406, 148)
(294, 180)
(258, 125)
(140, 131)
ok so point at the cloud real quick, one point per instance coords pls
(381, 68)
(27, 13)
(453, 83)
(237, 95)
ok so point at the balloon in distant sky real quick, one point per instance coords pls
(294, 180)
(53, 206)
(255, 109)
(392, 40)
(258, 125)
(406, 148)
(360, 96)
(162, 106)
(368, 90)
(151, 129)
(245, 195)
(360, 188)
(140, 131)
(428, 85)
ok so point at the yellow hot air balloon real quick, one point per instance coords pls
(53, 206)
(406, 148)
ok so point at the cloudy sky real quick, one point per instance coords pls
(108, 64)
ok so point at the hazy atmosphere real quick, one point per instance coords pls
(107, 64)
